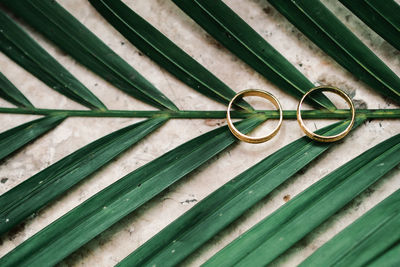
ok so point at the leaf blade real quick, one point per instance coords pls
(163, 51)
(116, 201)
(363, 240)
(389, 10)
(389, 258)
(223, 206)
(230, 30)
(340, 44)
(377, 21)
(17, 137)
(277, 232)
(10, 93)
(35, 192)
(59, 26)
(20, 47)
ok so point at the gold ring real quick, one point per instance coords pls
(260, 93)
(322, 138)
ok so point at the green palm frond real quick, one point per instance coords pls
(183, 238)
(54, 22)
(370, 237)
(15, 138)
(389, 258)
(231, 31)
(163, 51)
(21, 48)
(279, 231)
(388, 9)
(381, 16)
(35, 192)
(118, 200)
(10, 93)
(226, 204)
(322, 27)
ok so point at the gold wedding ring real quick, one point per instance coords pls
(260, 93)
(322, 138)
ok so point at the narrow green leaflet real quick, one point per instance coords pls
(20, 47)
(390, 258)
(15, 138)
(378, 22)
(388, 9)
(10, 93)
(119, 199)
(54, 22)
(364, 240)
(186, 234)
(35, 192)
(325, 30)
(231, 31)
(164, 52)
(278, 232)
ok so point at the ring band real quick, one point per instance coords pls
(322, 138)
(260, 93)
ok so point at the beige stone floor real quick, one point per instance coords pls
(117, 242)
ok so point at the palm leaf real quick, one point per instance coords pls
(15, 138)
(164, 52)
(124, 196)
(35, 192)
(389, 258)
(10, 93)
(388, 9)
(20, 47)
(279, 231)
(230, 30)
(54, 22)
(222, 207)
(101, 211)
(365, 239)
(325, 30)
(382, 18)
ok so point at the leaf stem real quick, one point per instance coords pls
(211, 114)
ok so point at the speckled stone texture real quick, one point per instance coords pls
(117, 242)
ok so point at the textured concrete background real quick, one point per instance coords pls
(117, 242)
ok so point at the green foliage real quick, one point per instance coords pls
(17, 137)
(389, 258)
(32, 194)
(381, 16)
(272, 236)
(325, 30)
(10, 93)
(119, 199)
(371, 236)
(388, 9)
(231, 31)
(20, 47)
(164, 52)
(278, 232)
(230, 201)
(54, 22)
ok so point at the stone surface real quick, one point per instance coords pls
(117, 242)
